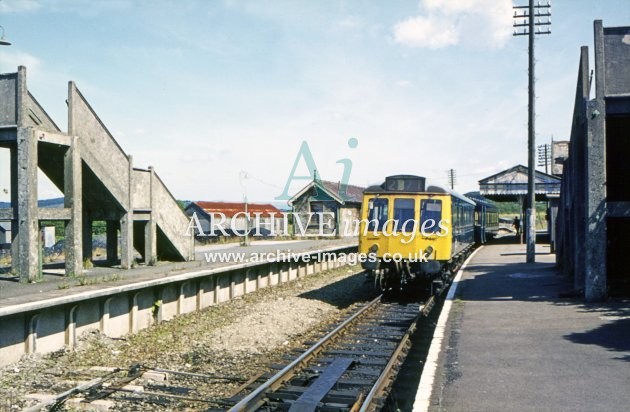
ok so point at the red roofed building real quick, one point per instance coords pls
(231, 217)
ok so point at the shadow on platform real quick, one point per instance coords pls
(614, 336)
(540, 282)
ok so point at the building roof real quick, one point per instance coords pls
(512, 183)
(342, 193)
(229, 209)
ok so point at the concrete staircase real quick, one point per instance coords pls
(98, 180)
(141, 190)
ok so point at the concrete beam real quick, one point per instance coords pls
(47, 213)
(55, 138)
(73, 200)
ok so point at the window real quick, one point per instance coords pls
(431, 213)
(403, 214)
(377, 214)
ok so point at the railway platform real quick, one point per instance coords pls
(53, 313)
(54, 283)
(517, 339)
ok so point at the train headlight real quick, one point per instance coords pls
(428, 251)
(373, 249)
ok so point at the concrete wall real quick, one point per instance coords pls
(141, 189)
(585, 209)
(98, 147)
(52, 324)
(171, 219)
(8, 109)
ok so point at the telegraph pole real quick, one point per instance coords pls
(544, 156)
(524, 17)
(451, 178)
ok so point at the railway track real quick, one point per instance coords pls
(352, 368)
(349, 369)
(137, 388)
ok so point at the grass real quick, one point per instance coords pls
(83, 280)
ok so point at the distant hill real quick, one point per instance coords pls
(56, 202)
(282, 206)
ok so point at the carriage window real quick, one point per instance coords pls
(430, 209)
(377, 214)
(403, 214)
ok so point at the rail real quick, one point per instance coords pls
(361, 357)
(253, 400)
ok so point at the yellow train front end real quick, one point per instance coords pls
(406, 233)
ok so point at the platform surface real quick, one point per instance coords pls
(54, 283)
(513, 342)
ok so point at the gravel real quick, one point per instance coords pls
(236, 339)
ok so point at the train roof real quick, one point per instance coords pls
(480, 199)
(411, 184)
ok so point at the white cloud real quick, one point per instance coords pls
(448, 22)
(433, 32)
(18, 6)
(11, 59)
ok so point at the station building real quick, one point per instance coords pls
(338, 204)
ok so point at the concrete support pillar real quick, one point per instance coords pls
(150, 229)
(112, 240)
(126, 240)
(150, 237)
(73, 199)
(28, 224)
(126, 225)
(15, 227)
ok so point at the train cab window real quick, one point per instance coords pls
(403, 215)
(430, 209)
(377, 214)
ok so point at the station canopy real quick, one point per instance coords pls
(510, 185)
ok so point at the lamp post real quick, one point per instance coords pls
(524, 17)
(242, 176)
(3, 41)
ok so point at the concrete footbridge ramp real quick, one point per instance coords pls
(98, 180)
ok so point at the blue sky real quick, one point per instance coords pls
(203, 90)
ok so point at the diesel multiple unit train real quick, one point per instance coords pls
(414, 234)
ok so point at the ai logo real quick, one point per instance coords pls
(305, 153)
